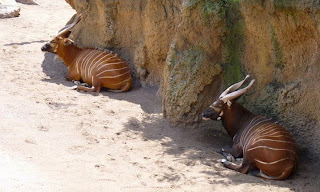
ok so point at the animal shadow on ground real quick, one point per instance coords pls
(54, 69)
(201, 145)
(26, 43)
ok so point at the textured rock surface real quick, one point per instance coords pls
(282, 53)
(141, 31)
(195, 48)
(192, 63)
(8, 9)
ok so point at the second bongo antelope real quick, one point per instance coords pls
(263, 144)
(95, 67)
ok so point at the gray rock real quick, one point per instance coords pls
(28, 2)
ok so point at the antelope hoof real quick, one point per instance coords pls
(230, 158)
(76, 82)
(222, 151)
(221, 160)
(226, 162)
(75, 87)
(84, 84)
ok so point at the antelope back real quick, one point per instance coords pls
(269, 146)
(102, 68)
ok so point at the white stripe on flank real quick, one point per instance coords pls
(257, 134)
(249, 135)
(80, 59)
(279, 132)
(110, 64)
(77, 60)
(273, 162)
(259, 131)
(90, 66)
(271, 148)
(111, 77)
(122, 81)
(89, 62)
(107, 61)
(108, 70)
(257, 140)
(85, 61)
(268, 130)
(92, 58)
(248, 127)
(114, 56)
(98, 62)
(262, 128)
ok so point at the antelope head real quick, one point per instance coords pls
(217, 108)
(61, 39)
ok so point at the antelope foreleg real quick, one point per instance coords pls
(242, 168)
(79, 83)
(88, 89)
(228, 156)
(235, 151)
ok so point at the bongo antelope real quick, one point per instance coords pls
(263, 144)
(91, 66)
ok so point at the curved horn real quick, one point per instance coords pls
(233, 87)
(238, 93)
(67, 28)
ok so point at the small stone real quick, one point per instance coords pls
(9, 9)
(28, 2)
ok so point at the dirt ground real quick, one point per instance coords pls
(57, 139)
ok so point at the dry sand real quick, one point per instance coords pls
(57, 139)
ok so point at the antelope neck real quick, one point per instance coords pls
(234, 117)
(71, 51)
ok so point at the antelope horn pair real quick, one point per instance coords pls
(67, 28)
(231, 92)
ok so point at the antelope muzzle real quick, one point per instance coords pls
(208, 114)
(46, 47)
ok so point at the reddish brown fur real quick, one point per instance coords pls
(95, 67)
(256, 143)
(261, 142)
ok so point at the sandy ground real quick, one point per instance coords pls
(57, 139)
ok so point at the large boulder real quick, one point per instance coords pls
(281, 51)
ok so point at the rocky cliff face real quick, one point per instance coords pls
(194, 49)
(281, 50)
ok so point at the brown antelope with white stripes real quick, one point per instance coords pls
(95, 67)
(263, 144)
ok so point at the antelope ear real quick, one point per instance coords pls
(67, 42)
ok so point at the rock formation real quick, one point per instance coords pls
(193, 49)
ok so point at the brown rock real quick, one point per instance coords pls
(195, 48)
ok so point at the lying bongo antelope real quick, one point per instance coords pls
(261, 142)
(95, 67)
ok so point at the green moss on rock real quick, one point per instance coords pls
(277, 50)
(235, 43)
